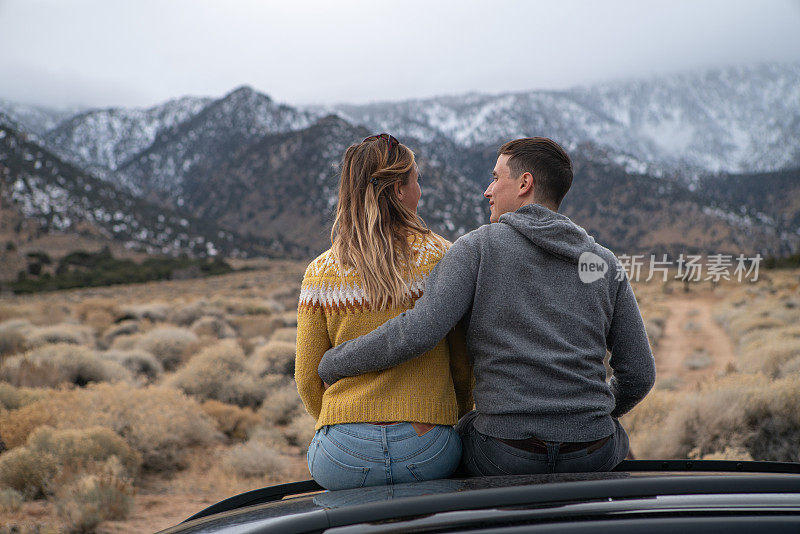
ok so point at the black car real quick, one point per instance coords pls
(639, 496)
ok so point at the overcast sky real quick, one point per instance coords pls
(135, 53)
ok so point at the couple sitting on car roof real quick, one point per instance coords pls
(527, 305)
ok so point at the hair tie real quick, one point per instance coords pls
(373, 181)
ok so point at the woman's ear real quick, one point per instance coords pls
(398, 191)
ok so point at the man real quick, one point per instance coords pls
(541, 302)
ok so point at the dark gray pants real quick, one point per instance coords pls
(484, 455)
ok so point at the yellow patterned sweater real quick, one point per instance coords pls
(435, 387)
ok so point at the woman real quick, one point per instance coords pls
(395, 425)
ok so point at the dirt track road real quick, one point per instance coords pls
(693, 347)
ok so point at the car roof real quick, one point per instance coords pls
(303, 506)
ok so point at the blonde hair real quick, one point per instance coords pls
(372, 227)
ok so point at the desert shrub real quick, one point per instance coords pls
(692, 326)
(12, 398)
(92, 498)
(275, 357)
(743, 325)
(269, 435)
(755, 340)
(248, 326)
(52, 457)
(213, 327)
(790, 368)
(218, 372)
(652, 411)
(654, 332)
(162, 424)
(289, 319)
(51, 365)
(233, 421)
(170, 345)
(13, 336)
(699, 359)
(729, 453)
(769, 351)
(255, 459)
(79, 449)
(740, 411)
(99, 313)
(138, 362)
(281, 405)
(287, 334)
(27, 472)
(125, 342)
(124, 328)
(61, 333)
(155, 311)
(10, 500)
(301, 430)
(186, 314)
(87, 307)
(246, 306)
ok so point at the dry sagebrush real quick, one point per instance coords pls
(54, 364)
(218, 372)
(745, 412)
(162, 424)
(52, 457)
(170, 345)
(275, 357)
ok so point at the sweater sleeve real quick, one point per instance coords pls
(461, 370)
(632, 362)
(312, 342)
(448, 295)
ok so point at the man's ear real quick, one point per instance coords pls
(525, 184)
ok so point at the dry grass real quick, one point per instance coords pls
(52, 457)
(27, 472)
(187, 313)
(160, 423)
(215, 327)
(13, 336)
(740, 411)
(699, 359)
(275, 357)
(61, 333)
(10, 501)
(249, 326)
(140, 363)
(154, 311)
(255, 459)
(51, 365)
(99, 313)
(218, 372)
(93, 498)
(13, 398)
(124, 328)
(170, 345)
(233, 421)
(287, 334)
(301, 430)
(281, 405)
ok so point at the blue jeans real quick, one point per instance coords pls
(485, 455)
(353, 455)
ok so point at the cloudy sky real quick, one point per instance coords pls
(136, 53)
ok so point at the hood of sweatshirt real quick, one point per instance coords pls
(551, 231)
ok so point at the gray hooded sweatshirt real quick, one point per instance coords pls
(536, 329)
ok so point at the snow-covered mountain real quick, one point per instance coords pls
(104, 139)
(738, 119)
(669, 164)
